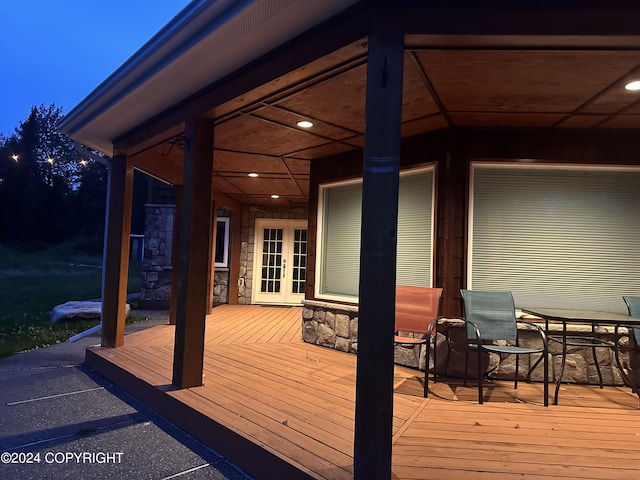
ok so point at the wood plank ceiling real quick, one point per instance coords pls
(490, 83)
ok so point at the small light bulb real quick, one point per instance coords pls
(633, 86)
(275, 196)
(253, 175)
(304, 124)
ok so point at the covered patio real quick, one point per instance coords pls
(425, 97)
(281, 408)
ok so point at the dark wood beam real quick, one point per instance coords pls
(195, 254)
(116, 251)
(175, 255)
(212, 257)
(515, 18)
(380, 184)
(234, 265)
(452, 239)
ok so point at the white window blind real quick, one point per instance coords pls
(415, 230)
(339, 242)
(562, 237)
(341, 239)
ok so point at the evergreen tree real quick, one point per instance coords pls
(90, 206)
(50, 191)
(40, 167)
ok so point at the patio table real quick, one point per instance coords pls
(593, 318)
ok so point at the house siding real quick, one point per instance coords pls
(452, 152)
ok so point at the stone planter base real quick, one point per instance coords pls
(335, 326)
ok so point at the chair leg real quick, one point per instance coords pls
(480, 375)
(426, 367)
(595, 358)
(466, 365)
(545, 378)
(435, 349)
(595, 361)
(515, 381)
(625, 377)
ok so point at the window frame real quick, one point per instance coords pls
(320, 251)
(565, 297)
(225, 254)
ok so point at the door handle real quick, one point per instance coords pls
(284, 267)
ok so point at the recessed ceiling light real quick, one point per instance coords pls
(253, 174)
(304, 124)
(275, 196)
(633, 86)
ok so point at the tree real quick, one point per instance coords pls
(52, 189)
(90, 206)
(40, 168)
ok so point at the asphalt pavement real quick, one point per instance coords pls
(59, 419)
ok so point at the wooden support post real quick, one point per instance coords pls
(175, 255)
(195, 254)
(212, 257)
(374, 377)
(452, 175)
(234, 261)
(115, 263)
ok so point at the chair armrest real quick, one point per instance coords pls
(433, 324)
(539, 329)
(475, 328)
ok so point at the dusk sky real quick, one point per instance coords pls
(58, 52)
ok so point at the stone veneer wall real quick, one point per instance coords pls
(156, 265)
(330, 325)
(249, 215)
(336, 326)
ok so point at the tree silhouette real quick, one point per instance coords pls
(39, 170)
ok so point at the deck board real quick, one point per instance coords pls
(295, 402)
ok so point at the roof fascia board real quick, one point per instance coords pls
(197, 20)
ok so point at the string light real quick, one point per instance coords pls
(50, 160)
(15, 157)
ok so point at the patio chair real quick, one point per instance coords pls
(633, 345)
(489, 317)
(416, 307)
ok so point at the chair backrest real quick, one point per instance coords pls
(493, 312)
(416, 307)
(633, 305)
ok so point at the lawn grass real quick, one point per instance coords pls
(31, 284)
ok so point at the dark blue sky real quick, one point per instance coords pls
(59, 51)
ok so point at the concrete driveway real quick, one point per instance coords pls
(58, 419)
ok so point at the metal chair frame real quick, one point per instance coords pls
(633, 334)
(416, 308)
(479, 341)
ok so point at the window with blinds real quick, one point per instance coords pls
(338, 258)
(556, 236)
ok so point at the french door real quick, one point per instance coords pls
(280, 261)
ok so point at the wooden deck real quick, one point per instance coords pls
(281, 408)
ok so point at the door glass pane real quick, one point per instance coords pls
(271, 260)
(299, 260)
